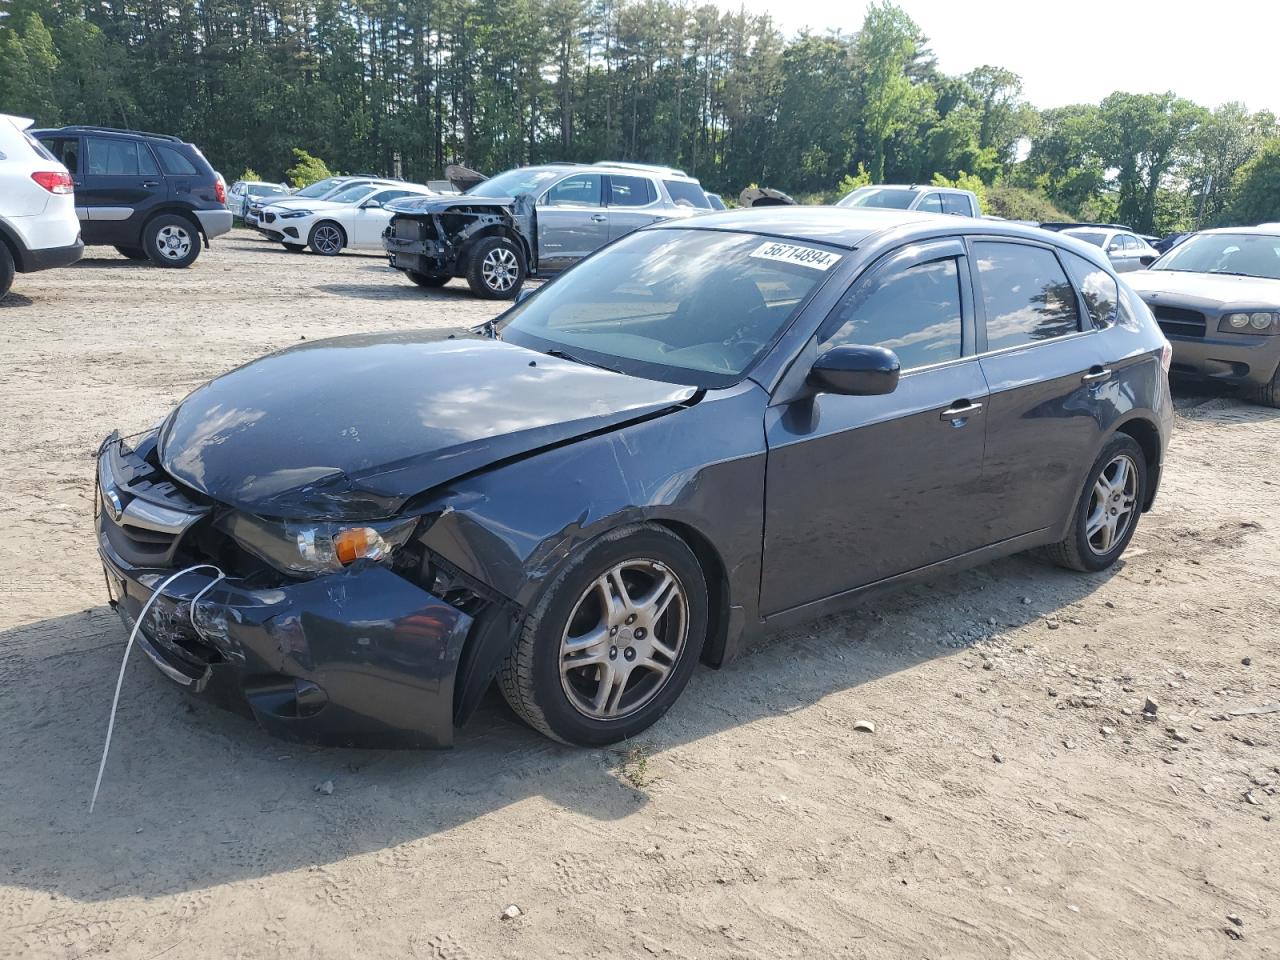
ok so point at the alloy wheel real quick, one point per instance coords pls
(623, 640)
(1112, 505)
(173, 242)
(500, 269)
(327, 239)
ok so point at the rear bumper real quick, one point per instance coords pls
(214, 223)
(49, 257)
(1238, 359)
(358, 658)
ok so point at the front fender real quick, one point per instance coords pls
(699, 469)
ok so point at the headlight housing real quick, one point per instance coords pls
(294, 214)
(1250, 321)
(304, 548)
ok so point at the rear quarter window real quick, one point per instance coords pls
(174, 163)
(686, 194)
(1098, 288)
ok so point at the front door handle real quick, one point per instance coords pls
(960, 410)
(151, 183)
(598, 218)
(1096, 375)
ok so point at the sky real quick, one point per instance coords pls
(1078, 52)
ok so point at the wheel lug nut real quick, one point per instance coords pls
(631, 619)
(613, 653)
(630, 653)
(641, 633)
(613, 631)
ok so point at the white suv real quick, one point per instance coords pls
(38, 224)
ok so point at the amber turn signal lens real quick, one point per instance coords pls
(358, 543)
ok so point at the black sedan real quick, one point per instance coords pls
(709, 429)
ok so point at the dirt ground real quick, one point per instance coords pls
(1011, 802)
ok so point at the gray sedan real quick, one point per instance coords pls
(1125, 250)
(1216, 296)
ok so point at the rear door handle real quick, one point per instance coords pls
(1096, 375)
(151, 183)
(960, 409)
(598, 218)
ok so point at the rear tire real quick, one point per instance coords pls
(637, 649)
(428, 279)
(1106, 516)
(327, 239)
(496, 269)
(1269, 393)
(293, 248)
(132, 253)
(171, 241)
(6, 269)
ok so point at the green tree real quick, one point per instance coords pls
(307, 170)
(885, 48)
(1255, 188)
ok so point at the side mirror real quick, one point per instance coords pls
(371, 205)
(1147, 261)
(524, 294)
(1115, 247)
(854, 371)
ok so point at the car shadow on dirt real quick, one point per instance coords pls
(12, 299)
(397, 288)
(195, 797)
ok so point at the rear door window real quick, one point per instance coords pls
(958, 204)
(1026, 294)
(932, 203)
(631, 191)
(107, 157)
(915, 312)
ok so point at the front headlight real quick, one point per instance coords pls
(1256, 321)
(307, 547)
(295, 214)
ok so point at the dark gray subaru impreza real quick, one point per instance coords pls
(708, 429)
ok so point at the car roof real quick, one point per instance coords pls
(850, 227)
(1261, 230)
(916, 187)
(111, 132)
(620, 169)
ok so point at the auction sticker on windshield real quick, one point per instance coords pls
(790, 253)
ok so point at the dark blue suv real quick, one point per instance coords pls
(148, 195)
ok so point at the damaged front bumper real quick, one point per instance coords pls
(362, 657)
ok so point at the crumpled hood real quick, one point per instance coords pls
(1204, 289)
(445, 202)
(351, 428)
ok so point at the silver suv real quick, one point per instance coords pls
(532, 221)
(926, 199)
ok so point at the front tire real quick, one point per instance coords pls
(1107, 514)
(1269, 393)
(613, 640)
(132, 253)
(429, 280)
(293, 248)
(171, 241)
(496, 269)
(327, 239)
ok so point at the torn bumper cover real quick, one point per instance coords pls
(357, 658)
(431, 235)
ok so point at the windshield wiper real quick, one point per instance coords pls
(564, 355)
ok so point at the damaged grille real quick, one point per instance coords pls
(144, 515)
(406, 229)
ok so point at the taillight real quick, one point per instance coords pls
(55, 181)
(219, 191)
(1166, 356)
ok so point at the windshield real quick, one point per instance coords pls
(319, 188)
(352, 194)
(687, 306)
(266, 190)
(894, 198)
(1096, 237)
(515, 182)
(1245, 254)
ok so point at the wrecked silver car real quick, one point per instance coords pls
(532, 221)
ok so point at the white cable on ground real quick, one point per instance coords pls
(115, 701)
